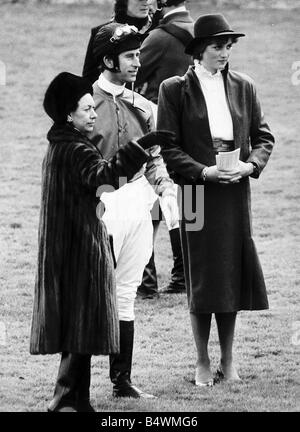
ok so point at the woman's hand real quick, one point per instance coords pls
(246, 168)
(212, 174)
(215, 176)
(243, 169)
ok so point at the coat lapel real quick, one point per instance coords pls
(233, 100)
(197, 105)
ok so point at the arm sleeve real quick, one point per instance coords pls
(92, 170)
(156, 172)
(262, 140)
(177, 160)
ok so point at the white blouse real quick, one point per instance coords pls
(219, 117)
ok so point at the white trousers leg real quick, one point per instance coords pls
(127, 218)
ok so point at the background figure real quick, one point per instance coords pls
(163, 56)
(75, 310)
(163, 51)
(214, 109)
(132, 12)
(124, 115)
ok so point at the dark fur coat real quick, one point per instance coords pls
(75, 302)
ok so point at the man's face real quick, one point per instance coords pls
(138, 8)
(129, 63)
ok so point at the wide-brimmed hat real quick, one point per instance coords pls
(63, 94)
(208, 26)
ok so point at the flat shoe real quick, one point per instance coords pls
(209, 383)
(219, 376)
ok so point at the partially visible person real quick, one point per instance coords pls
(139, 13)
(122, 115)
(163, 51)
(214, 109)
(163, 56)
(74, 311)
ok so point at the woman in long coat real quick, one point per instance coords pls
(75, 301)
(213, 109)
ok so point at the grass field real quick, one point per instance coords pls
(39, 42)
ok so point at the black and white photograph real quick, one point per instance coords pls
(149, 209)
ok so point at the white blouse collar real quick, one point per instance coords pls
(202, 72)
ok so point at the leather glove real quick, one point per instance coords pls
(159, 137)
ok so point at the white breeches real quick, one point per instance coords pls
(127, 217)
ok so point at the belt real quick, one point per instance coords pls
(221, 145)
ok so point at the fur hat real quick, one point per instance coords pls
(63, 94)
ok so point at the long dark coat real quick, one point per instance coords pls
(75, 301)
(222, 268)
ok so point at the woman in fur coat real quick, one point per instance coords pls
(74, 309)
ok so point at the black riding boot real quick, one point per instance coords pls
(71, 390)
(148, 288)
(84, 404)
(120, 365)
(177, 283)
